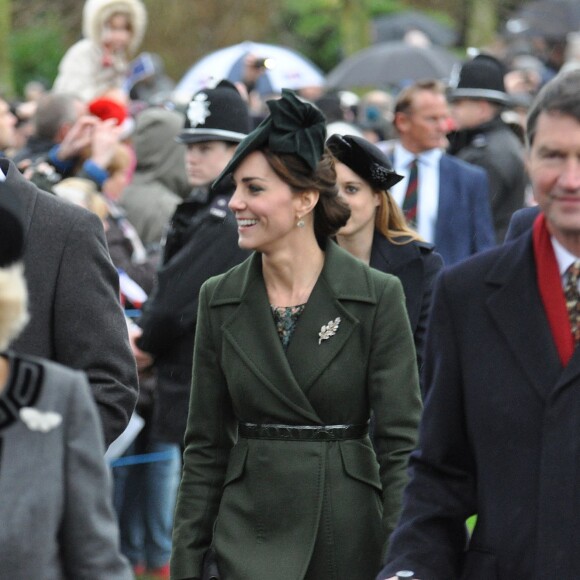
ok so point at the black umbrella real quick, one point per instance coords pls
(395, 27)
(550, 19)
(392, 65)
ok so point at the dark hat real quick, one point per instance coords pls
(481, 78)
(218, 114)
(11, 227)
(292, 126)
(364, 159)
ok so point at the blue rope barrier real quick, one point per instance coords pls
(132, 313)
(144, 458)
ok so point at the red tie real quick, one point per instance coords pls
(410, 201)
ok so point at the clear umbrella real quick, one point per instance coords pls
(285, 68)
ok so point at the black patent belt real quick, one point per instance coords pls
(302, 432)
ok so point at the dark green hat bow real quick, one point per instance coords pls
(293, 127)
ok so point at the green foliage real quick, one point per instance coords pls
(36, 51)
(318, 25)
(314, 22)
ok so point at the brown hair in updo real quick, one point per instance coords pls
(331, 212)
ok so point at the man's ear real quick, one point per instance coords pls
(401, 122)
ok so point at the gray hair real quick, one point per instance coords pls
(53, 111)
(561, 95)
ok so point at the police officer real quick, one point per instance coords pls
(201, 242)
(477, 101)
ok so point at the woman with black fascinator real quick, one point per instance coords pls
(377, 232)
(295, 348)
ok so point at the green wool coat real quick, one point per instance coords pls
(297, 510)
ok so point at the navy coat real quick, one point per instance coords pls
(416, 264)
(522, 221)
(464, 223)
(500, 434)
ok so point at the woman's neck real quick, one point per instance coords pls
(359, 244)
(290, 276)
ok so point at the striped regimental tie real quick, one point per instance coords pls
(410, 201)
(572, 294)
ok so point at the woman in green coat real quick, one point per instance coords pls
(295, 348)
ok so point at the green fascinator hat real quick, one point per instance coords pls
(293, 126)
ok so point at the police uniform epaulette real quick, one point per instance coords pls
(479, 141)
(219, 207)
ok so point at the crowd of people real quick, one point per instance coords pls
(319, 333)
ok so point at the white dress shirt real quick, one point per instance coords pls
(564, 257)
(428, 191)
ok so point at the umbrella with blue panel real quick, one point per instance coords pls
(282, 68)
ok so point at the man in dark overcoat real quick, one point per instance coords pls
(484, 139)
(75, 314)
(500, 435)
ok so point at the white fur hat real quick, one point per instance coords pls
(97, 12)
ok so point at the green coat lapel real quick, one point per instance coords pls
(343, 279)
(252, 333)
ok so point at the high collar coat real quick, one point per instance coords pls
(500, 435)
(295, 509)
(56, 511)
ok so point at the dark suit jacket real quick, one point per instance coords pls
(521, 221)
(75, 314)
(285, 507)
(499, 435)
(464, 223)
(416, 265)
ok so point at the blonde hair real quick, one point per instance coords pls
(13, 304)
(390, 221)
(83, 192)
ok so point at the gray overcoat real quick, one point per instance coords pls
(55, 494)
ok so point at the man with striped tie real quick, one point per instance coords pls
(446, 200)
(500, 430)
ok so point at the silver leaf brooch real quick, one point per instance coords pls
(42, 421)
(329, 329)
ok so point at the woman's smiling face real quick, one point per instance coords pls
(265, 207)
